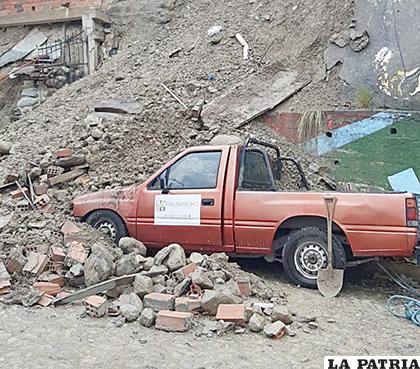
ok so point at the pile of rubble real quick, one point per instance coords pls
(168, 290)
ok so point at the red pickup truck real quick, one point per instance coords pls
(225, 198)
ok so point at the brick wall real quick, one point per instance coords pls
(13, 7)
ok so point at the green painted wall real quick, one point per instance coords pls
(372, 159)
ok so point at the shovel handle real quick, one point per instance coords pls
(330, 203)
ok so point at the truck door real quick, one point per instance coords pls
(183, 202)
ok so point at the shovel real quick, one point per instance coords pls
(330, 280)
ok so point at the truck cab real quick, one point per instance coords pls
(227, 199)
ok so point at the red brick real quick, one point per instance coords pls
(187, 304)
(48, 287)
(41, 202)
(4, 286)
(40, 249)
(36, 264)
(57, 279)
(173, 321)
(69, 227)
(65, 177)
(185, 271)
(231, 313)
(18, 194)
(62, 294)
(16, 262)
(77, 253)
(159, 301)
(64, 153)
(56, 254)
(244, 285)
(45, 300)
(96, 306)
(40, 189)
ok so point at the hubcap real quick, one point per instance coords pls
(108, 229)
(309, 258)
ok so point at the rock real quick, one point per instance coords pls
(196, 258)
(5, 147)
(30, 92)
(200, 278)
(313, 325)
(149, 262)
(147, 317)
(226, 140)
(131, 299)
(219, 257)
(27, 101)
(130, 312)
(212, 299)
(162, 254)
(71, 161)
(96, 133)
(224, 327)
(256, 323)
(31, 297)
(289, 331)
(341, 39)
(130, 245)
(99, 266)
(142, 285)
(176, 258)
(159, 279)
(274, 329)
(182, 288)
(359, 40)
(281, 313)
(128, 264)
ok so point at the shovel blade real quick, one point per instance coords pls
(330, 281)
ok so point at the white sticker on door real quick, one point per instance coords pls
(177, 209)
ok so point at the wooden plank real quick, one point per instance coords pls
(97, 288)
(251, 98)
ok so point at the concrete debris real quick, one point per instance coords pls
(128, 264)
(257, 323)
(99, 265)
(143, 285)
(147, 317)
(196, 258)
(275, 330)
(281, 313)
(173, 321)
(5, 147)
(359, 40)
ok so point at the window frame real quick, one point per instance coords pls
(242, 168)
(187, 188)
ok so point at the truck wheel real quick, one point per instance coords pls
(109, 223)
(305, 252)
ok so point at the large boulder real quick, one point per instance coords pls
(176, 258)
(130, 245)
(99, 266)
(142, 285)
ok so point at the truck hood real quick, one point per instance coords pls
(123, 200)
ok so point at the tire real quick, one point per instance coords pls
(303, 253)
(109, 222)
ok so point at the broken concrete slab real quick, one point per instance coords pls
(251, 98)
(32, 40)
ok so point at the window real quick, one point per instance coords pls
(193, 171)
(255, 174)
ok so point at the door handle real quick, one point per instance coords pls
(207, 202)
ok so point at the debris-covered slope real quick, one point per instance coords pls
(170, 44)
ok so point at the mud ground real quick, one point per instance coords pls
(355, 323)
